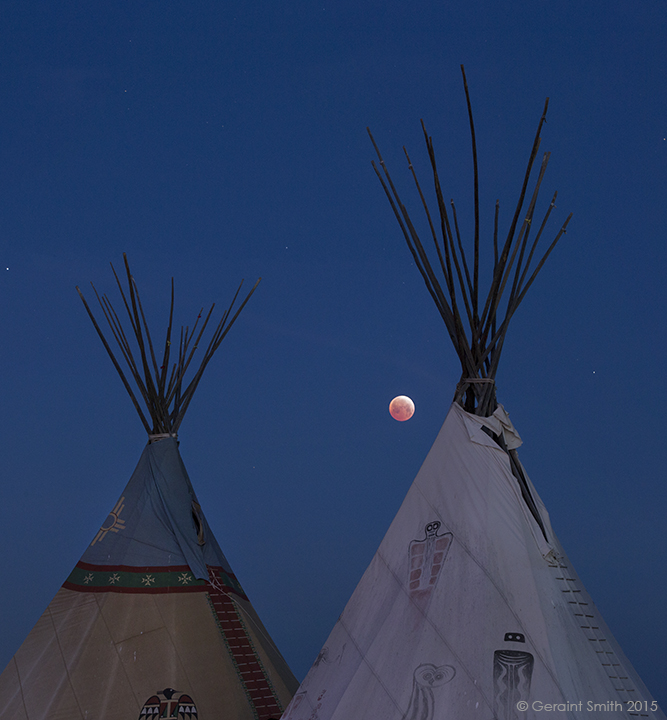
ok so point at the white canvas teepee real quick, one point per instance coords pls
(470, 608)
(152, 622)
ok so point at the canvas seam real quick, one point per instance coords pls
(62, 657)
(115, 647)
(435, 629)
(165, 626)
(18, 675)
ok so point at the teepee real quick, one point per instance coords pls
(152, 622)
(470, 609)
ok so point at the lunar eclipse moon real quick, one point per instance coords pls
(401, 408)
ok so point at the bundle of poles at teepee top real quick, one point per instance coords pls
(480, 354)
(161, 386)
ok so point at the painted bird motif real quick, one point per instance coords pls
(424, 679)
(165, 705)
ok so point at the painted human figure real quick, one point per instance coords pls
(512, 674)
(424, 679)
(427, 557)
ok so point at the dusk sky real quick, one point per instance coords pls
(214, 141)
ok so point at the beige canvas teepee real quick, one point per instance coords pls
(152, 622)
(470, 609)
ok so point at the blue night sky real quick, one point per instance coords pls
(214, 141)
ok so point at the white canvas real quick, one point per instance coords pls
(467, 610)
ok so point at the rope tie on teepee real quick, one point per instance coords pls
(464, 383)
(161, 436)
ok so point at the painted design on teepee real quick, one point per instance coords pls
(87, 577)
(297, 700)
(113, 523)
(294, 706)
(514, 637)
(427, 557)
(325, 656)
(259, 691)
(512, 674)
(165, 704)
(424, 679)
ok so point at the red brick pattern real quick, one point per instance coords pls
(255, 682)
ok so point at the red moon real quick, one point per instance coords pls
(401, 408)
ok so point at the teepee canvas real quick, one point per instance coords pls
(470, 609)
(152, 622)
